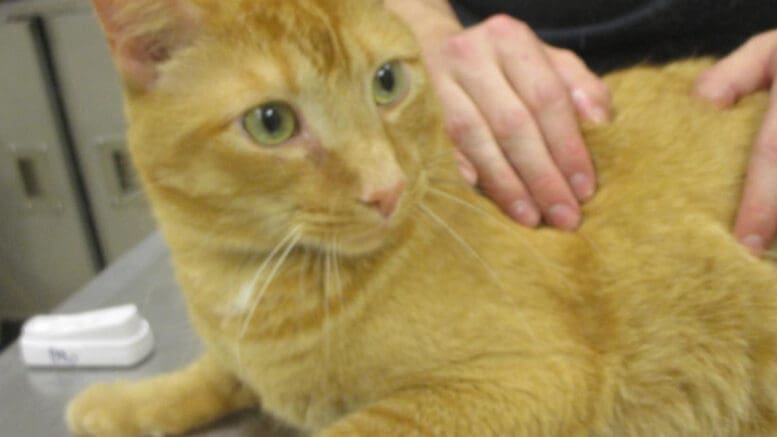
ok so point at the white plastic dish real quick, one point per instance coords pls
(109, 337)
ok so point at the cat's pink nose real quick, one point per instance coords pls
(385, 200)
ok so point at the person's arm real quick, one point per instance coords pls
(751, 68)
(511, 105)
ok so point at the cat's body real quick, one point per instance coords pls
(449, 320)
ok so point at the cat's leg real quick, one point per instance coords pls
(542, 402)
(173, 403)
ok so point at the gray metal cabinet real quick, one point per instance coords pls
(45, 250)
(92, 100)
(69, 197)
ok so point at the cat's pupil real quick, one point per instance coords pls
(272, 119)
(386, 78)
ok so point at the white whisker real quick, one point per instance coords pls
(247, 291)
(460, 240)
(536, 253)
(327, 281)
(338, 278)
(339, 291)
(471, 250)
(302, 282)
(295, 239)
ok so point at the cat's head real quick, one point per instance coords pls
(255, 120)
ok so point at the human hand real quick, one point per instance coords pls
(510, 103)
(750, 68)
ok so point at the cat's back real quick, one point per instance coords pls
(671, 169)
(667, 152)
(657, 240)
(670, 295)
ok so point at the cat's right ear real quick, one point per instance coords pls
(143, 34)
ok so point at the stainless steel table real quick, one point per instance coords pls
(32, 401)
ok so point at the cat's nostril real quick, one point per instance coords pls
(385, 200)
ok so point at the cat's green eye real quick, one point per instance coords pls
(270, 124)
(389, 84)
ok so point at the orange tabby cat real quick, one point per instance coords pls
(340, 273)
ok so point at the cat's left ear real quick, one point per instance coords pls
(143, 34)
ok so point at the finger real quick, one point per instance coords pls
(522, 143)
(469, 131)
(757, 218)
(590, 95)
(533, 77)
(745, 70)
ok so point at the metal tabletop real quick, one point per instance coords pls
(32, 401)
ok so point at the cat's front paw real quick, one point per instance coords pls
(112, 410)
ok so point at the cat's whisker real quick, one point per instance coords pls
(241, 302)
(154, 289)
(327, 282)
(472, 252)
(536, 253)
(249, 259)
(338, 278)
(264, 227)
(296, 236)
(451, 181)
(339, 289)
(290, 241)
(326, 220)
(446, 156)
(265, 231)
(302, 288)
(443, 166)
(249, 288)
(207, 238)
(440, 222)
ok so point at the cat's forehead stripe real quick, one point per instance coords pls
(314, 31)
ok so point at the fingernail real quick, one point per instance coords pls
(563, 217)
(719, 95)
(586, 106)
(525, 213)
(469, 173)
(755, 243)
(583, 186)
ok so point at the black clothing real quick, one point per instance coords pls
(613, 33)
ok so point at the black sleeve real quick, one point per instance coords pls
(610, 34)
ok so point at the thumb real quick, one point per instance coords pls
(749, 68)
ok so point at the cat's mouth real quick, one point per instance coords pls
(359, 232)
(350, 241)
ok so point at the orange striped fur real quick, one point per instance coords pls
(447, 319)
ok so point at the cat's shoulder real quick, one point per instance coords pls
(648, 75)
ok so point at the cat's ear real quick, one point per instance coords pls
(143, 34)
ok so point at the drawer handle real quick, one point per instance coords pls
(31, 183)
(126, 177)
(121, 179)
(36, 188)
